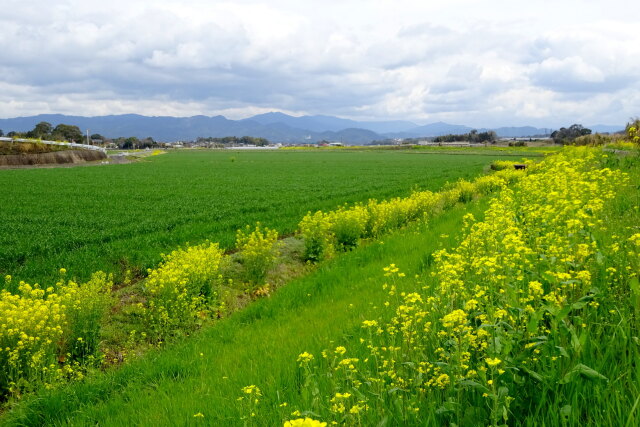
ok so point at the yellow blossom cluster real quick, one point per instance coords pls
(180, 290)
(47, 334)
(258, 250)
(304, 422)
(325, 233)
(504, 313)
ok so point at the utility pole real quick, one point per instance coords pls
(88, 143)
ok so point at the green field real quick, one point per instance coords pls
(258, 345)
(122, 217)
(516, 308)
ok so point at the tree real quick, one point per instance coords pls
(67, 133)
(473, 136)
(148, 142)
(131, 142)
(41, 130)
(1, 133)
(97, 136)
(567, 135)
(489, 136)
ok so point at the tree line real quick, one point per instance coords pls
(568, 135)
(71, 133)
(473, 136)
(45, 130)
(233, 140)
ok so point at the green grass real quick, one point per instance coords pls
(122, 217)
(258, 345)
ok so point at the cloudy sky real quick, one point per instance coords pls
(479, 63)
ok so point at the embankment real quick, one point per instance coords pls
(51, 158)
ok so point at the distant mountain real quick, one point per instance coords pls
(329, 123)
(189, 128)
(351, 135)
(606, 128)
(276, 127)
(522, 131)
(430, 130)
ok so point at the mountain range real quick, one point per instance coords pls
(275, 126)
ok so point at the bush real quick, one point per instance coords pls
(489, 184)
(318, 238)
(182, 289)
(258, 252)
(387, 215)
(85, 308)
(32, 325)
(499, 165)
(592, 140)
(467, 190)
(348, 226)
(518, 144)
(48, 334)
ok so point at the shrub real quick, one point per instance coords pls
(85, 308)
(387, 215)
(489, 184)
(180, 290)
(499, 165)
(348, 226)
(518, 144)
(258, 252)
(48, 334)
(318, 238)
(593, 140)
(467, 190)
(32, 323)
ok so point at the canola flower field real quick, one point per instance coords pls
(120, 218)
(532, 318)
(524, 315)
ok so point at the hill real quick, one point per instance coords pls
(275, 126)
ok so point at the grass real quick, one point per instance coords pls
(205, 373)
(258, 345)
(120, 218)
(9, 148)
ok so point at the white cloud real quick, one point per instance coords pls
(478, 63)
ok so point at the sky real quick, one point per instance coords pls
(479, 63)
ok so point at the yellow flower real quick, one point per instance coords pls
(369, 324)
(252, 389)
(493, 362)
(305, 358)
(304, 422)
